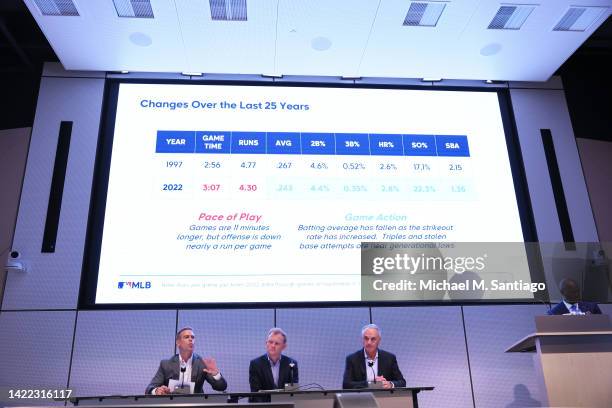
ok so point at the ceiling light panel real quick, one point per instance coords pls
(244, 45)
(578, 18)
(510, 17)
(57, 7)
(228, 10)
(424, 14)
(414, 51)
(134, 8)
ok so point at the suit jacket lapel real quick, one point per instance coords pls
(176, 370)
(196, 367)
(562, 308)
(363, 365)
(284, 371)
(268, 371)
(382, 363)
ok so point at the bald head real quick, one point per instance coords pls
(570, 290)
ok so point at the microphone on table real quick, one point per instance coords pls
(183, 369)
(371, 365)
(291, 365)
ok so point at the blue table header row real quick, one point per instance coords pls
(374, 144)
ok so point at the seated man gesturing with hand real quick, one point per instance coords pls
(186, 368)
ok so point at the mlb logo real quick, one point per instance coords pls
(134, 285)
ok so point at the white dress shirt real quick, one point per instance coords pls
(373, 371)
(569, 307)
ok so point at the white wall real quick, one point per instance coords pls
(52, 281)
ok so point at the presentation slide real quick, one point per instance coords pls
(231, 194)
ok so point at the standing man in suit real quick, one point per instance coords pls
(272, 370)
(186, 366)
(571, 300)
(372, 364)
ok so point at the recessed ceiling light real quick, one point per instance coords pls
(133, 8)
(57, 7)
(510, 17)
(578, 18)
(424, 14)
(228, 10)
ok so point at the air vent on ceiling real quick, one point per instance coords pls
(228, 10)
(424, 14)
(510, 17)
(579, 18)
(134, 8)
(57, 7)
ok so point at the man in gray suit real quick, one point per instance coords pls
(185, 367)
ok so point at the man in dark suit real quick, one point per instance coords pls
(372, 364)
(185, 367)
(272, 370)
(571, 303)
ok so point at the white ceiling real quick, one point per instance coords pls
(355, 38)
